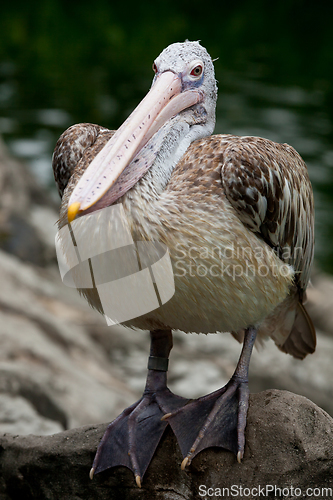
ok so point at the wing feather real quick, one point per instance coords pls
(269, 187)
(70, 148)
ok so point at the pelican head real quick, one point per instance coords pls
(194, 67)
(178, 109)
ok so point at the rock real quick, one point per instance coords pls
(17, 415)
(21, 202)
(289, 445)
(320, 302)
(47, 354)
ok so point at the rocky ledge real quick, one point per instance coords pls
(289, 453)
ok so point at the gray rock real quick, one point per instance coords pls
(320, 302)
(20, 198)
(17, 415)
(47, 354)
(289, 445)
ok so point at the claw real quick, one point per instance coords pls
(131, 440)
(91, 473)
(239, 457)
(138, 480)
(184, 463)
(166, 416)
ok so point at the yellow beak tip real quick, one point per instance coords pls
(72, 211)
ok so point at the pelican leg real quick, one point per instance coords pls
(132, 438)
(218, 419)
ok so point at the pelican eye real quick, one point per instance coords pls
(155, 68)
(197, 70)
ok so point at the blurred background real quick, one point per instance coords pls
(67, 62)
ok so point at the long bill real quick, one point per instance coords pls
(164, 100)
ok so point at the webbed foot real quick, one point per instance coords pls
(132, 438)
(218, 419)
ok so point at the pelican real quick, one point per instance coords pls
(237, 217)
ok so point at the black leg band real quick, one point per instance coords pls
(156, 363)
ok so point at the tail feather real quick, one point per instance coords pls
(302, 338)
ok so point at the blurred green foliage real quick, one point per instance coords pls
(68, 54)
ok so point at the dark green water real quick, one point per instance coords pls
(66, 62)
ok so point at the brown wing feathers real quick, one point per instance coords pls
(269, 187)
(69, 150)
